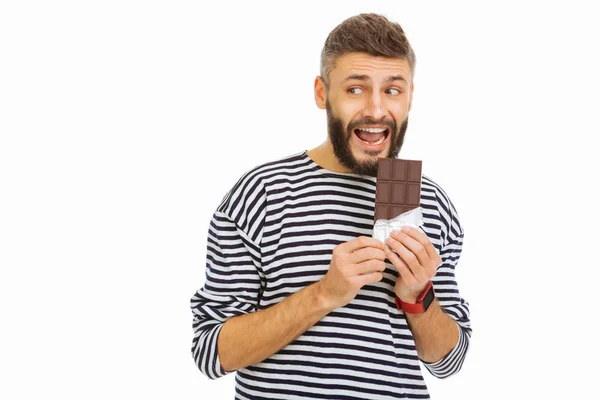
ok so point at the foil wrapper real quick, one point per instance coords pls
(383, 227)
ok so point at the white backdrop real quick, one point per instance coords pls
(124, 123)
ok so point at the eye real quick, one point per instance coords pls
(355, 90)
(394, 91)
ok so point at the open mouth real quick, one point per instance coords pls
(372, 136)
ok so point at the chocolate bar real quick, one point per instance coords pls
(398, 187)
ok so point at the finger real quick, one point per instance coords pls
(410, 260)
(367, 253)
(403, 270)
(414, 246)
(363, 280)
(422, 238)
(360, 243)
(369, 266)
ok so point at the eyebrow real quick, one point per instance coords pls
(359, 77)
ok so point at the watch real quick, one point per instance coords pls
(424, 300)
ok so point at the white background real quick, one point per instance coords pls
(124, 123)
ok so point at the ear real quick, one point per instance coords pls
(320, 93)
(410, 98)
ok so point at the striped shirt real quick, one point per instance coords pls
(272, 235)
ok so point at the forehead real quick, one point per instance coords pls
(375, 67)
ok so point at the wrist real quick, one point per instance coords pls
(411, 295)
(322, 300)
(421, 303)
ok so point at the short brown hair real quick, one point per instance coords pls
(366, 33)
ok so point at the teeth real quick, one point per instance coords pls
(373, 130)
(381, 139)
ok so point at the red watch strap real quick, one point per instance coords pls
(418, 307)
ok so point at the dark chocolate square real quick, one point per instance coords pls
(398, 187)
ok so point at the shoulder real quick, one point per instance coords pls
(252, 183)
(445, 208)
(435, 189)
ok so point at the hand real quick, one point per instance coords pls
(416, 260)
(354, 264)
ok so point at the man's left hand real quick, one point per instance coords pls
(416, 260)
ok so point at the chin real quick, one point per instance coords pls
(366, 156)
(366, 165)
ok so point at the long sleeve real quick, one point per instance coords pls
(232, 287)
(447, 293)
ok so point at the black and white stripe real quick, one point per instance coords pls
(273, 235)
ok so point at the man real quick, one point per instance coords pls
(299, 299)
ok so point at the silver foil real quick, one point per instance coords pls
(383, 227)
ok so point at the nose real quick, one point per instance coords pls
(374, 107)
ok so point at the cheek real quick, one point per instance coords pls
(349, 110)
(399, 110)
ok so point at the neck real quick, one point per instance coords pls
(324, 156)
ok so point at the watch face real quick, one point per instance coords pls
(428, 299)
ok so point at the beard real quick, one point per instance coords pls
(340, 139)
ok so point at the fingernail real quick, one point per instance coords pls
(406, 228)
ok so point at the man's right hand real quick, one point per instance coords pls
(354, 264)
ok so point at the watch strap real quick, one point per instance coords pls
(424, 300)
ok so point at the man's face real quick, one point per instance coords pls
(367, 109)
